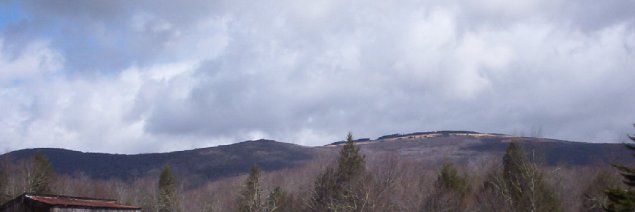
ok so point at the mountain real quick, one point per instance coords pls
(476, 148)
(429, 148)
(206, 163)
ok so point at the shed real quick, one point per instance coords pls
(57, 203)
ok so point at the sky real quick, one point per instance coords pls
(124, 76)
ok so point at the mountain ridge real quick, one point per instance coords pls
(211, 163)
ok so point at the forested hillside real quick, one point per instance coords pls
(421, 171)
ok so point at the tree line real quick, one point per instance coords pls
(347, 184)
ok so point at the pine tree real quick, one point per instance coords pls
(623, 199)
(526, 188)
(451, 189)
(449, 180)
(167, 201)
(250, 196)
(340, 189)
(593, 197)
(351, 163)
(41, 175)
(515, 169)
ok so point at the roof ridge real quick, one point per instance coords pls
(68, 197)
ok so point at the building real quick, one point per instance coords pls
(57, 203)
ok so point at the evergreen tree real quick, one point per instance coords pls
(340, 189)
(623, 199)
(526, 188)
(449, 180)
(40, 175)
(451, 189)
(351, 163)
(167, 201)
(515, 169)
(250, 199)
(593, 197)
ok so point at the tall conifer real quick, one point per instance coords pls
(167, 201)
(338, 189)
(623, 199)
(250, 196)
(525, 183)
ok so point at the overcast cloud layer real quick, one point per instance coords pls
(146, 76)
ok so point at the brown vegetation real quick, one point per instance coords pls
(380, 182)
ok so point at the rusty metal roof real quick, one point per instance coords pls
(78, 202)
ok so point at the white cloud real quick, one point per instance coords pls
(34, 59)
(156, 78)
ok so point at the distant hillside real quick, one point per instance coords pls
(477, 148)
(430, 148)
(423, 135)
(205, 163)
